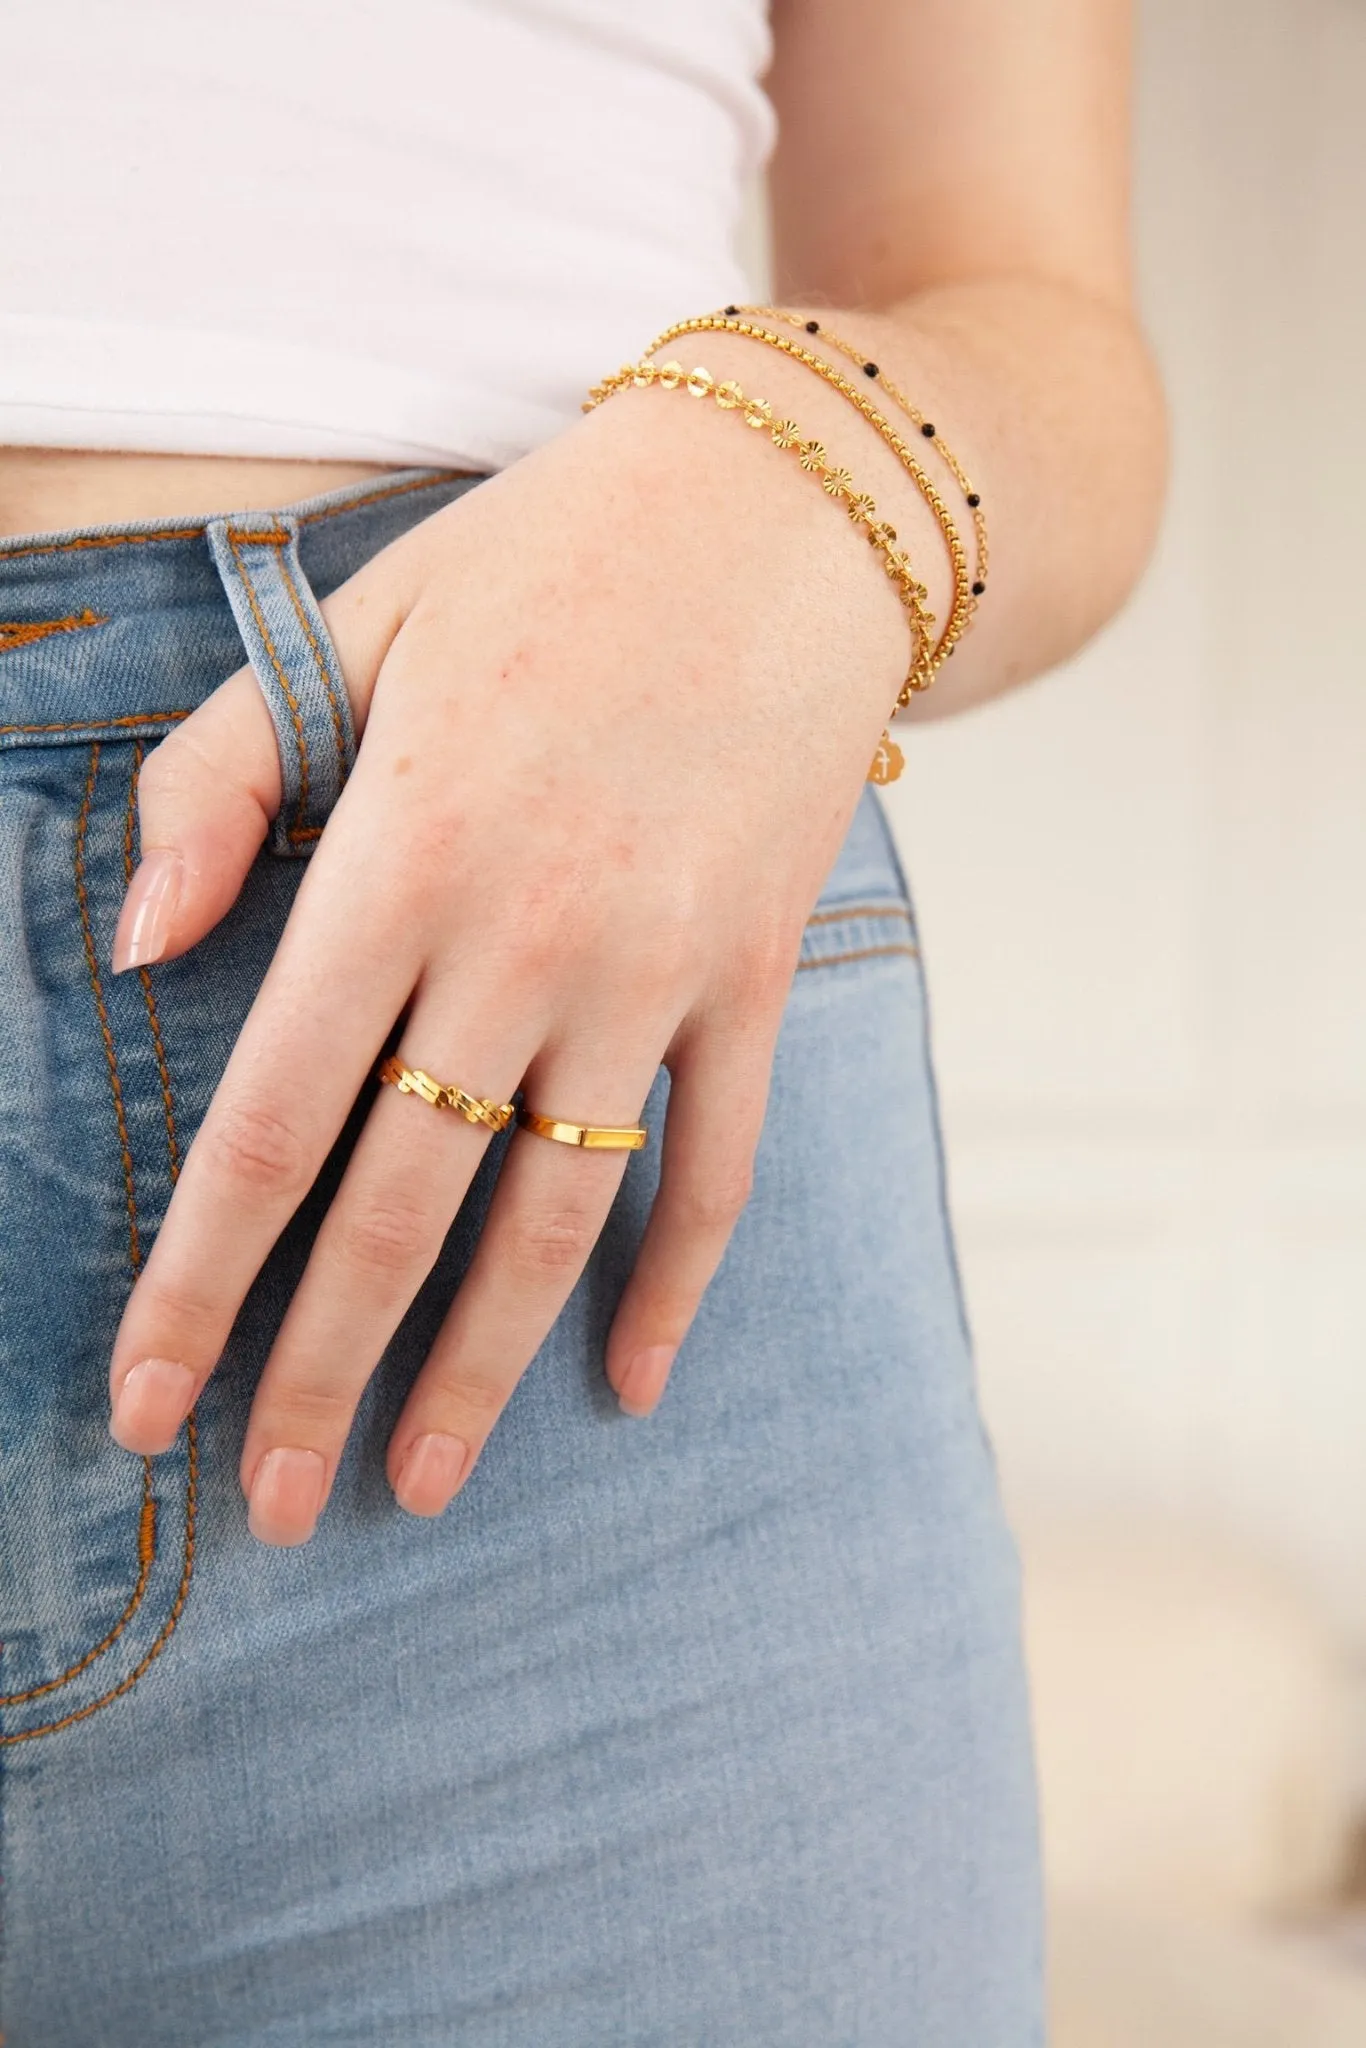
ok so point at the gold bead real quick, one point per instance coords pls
(700, 382)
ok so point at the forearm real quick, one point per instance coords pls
(961, 170)
(1052, 402)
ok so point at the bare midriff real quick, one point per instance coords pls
(47, 490)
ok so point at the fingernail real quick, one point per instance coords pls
(643, 1381)
(286, 1496)
(145, 920)
(151, 1404)
(430, 1473)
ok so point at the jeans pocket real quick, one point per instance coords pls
(98, 1545)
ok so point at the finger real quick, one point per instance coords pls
(206, 796)
(547, 1214)
(405, 1181)
(717, 1095)
(345, 966)
(207, 793)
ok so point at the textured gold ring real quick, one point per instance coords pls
(495, 1116)
(593, 1137)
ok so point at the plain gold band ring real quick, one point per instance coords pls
(495, 1116)
(593, 1137)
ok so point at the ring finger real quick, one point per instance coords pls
(549, 1209)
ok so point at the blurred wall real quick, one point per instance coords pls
(1142, 883)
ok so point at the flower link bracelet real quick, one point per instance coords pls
(835, 482)
(964, 598)
(971, 496)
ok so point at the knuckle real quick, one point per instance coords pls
(192, 1319)
(474, 1404)
(548, 933)
(256, 1148)
(389, 1235)
(551, 1244)
(308, 1411)
(711, 1207)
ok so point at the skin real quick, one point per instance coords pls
(608, 758)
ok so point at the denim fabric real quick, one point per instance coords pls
(706, 1731)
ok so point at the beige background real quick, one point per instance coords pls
(1142, 882)
(1142, 890)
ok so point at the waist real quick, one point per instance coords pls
(118, 628)
(48, 489)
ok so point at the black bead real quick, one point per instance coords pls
(928, 431)
(974, 499)
(731, 312)
(870, 369)
(813, 326)
(978, 588)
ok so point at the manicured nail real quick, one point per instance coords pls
(643, 1381)
(286, 1495)
(151, 1404)
(430, 1473)
(145, 920)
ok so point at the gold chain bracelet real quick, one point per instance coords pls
(963, 600)
(836, 483)
(971, 496)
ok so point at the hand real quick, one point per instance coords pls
(616, 705)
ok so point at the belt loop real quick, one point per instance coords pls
(291, 652)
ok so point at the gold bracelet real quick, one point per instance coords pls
(836, 483)
(972, 497)
(961, 609)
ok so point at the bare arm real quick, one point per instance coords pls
(958, 171)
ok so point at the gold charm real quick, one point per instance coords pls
(888, 761)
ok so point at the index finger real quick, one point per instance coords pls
(339, 977)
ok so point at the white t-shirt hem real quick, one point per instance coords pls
(102, 385)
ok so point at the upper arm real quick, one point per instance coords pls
(926, 142)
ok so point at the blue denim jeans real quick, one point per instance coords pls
(695, 1732)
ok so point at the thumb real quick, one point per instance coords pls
(206, 796)
(207, 793)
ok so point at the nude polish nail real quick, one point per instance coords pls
(430, 1473)
(145, 920)
(643, 1381)
(151, 1404)
(286, 1495)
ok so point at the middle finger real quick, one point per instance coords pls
(404, 1183)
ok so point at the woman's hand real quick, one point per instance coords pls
(617, 706)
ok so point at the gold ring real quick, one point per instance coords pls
(594, 1137)
(495, 1116)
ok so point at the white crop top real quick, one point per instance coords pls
(402, 231)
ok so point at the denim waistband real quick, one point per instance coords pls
(81, 614)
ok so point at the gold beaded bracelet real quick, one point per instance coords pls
(835, 482)
(960, 611)
(971, 496)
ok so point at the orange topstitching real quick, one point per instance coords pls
(147, 1518)
(23, 632)
(235, 542)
